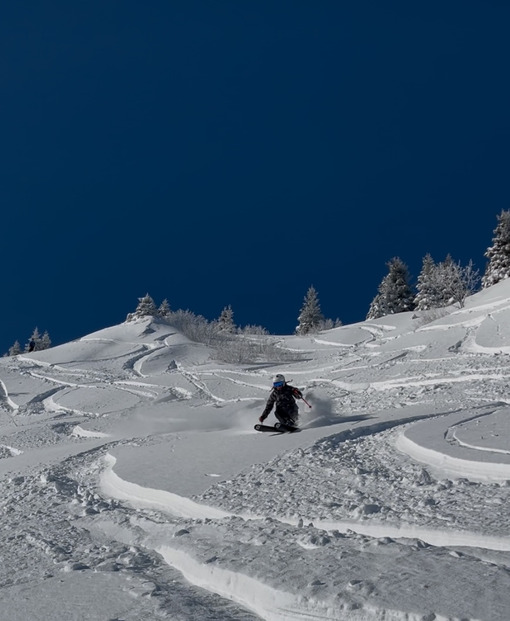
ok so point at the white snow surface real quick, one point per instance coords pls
(134, 486)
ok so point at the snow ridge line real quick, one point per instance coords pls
(115, 487)
(433, 537)
(269, 603)
(368, 430)
(8, 400)
(475, 470)
(455, 466)
(248, 592)
(478, 448)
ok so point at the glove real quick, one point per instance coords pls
(262, 418)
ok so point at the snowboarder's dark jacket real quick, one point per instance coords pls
(285, 399)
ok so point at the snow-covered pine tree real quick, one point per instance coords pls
(445, 283)
(225, 322)
(164, 308)
(310, 317)
(498, 267)
(45, 342)
(376, 308)
(450, 280)
(15, 349)
(429, 294)
(395, 294)
(146, 308)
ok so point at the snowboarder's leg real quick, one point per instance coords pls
(287, 417)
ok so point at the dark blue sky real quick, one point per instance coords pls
(226, 152)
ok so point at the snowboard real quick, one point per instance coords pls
(278, 428)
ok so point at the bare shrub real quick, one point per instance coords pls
(431, 315)
(248, 347)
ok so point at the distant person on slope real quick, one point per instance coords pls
(284, 396)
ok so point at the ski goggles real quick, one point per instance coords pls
(278, 384)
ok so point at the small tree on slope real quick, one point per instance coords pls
(456, 282)
(164, 309)
(429, 294)
(45, 341)
(445, 283)
(310, 318)
(15, 349)
(146, 307)
(449, 278)
(395, 294)
(498, 267)
(225, 322)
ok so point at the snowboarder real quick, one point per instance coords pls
(284, 395)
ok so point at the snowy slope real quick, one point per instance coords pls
(135, 487)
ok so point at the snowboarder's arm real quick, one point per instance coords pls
(297, 393)
(268, 408)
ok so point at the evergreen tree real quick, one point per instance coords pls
(45, 341)
(164, 308)
(146, 308)
(15, 349)
(450, 279)
(498, 267)
(225, 322)
(395, 294)
(445, 283)
(376, 308)
(310, 317)
(429, 294)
